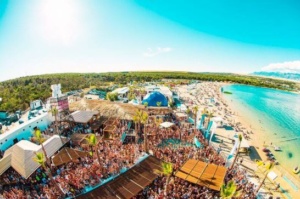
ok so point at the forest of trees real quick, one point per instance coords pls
(17, 93)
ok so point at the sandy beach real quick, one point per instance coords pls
(252, 130)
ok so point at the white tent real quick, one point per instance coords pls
(181, 115)
(166, 124)
(21, 155)
(244, 143)
(217, 119)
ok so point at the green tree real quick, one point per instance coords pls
(204, 112)
(112, 96)
(229, 191)
(146, 104)
(158, 104)
(209, 115)
(131, 94)
(38, 137)
(158, 121)
(238, 149)
(144, 120)
(167, 170)
(93, 143)
(141, 117)
(195, 111)
(188, 111)
(54, 112)
(40, 159)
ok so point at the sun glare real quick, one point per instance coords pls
(59, 20)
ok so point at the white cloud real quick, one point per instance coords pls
(288, 67)
(153, 52)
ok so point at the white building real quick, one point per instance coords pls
(122, 92)
(36, 104)
(24, 131)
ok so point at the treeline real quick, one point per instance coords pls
(17, 93)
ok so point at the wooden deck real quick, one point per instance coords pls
(128, 184)
(203, 174)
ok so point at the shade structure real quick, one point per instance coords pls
(67, 155)
(166, 124)
(22, 153)
(203, 174)
(78, 138)
(108, 109)
(244, 143)
(83, 117)
(154, 97)
(128, 184)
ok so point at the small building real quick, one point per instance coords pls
(36, 104)
(122, 92)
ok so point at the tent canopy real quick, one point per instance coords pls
(154, 97)
(203, 174)
(67, 155)
(166, 124)
(23, 152)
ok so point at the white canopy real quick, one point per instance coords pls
(166, 124)
(272, 175)
(244, 143)
(20, 156)
(180, 115)
(182, 107)
(217, 119)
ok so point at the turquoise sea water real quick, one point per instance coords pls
(276, 113)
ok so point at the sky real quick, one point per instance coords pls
(55, 36)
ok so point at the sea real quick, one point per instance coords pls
(274, 112)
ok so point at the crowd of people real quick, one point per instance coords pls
(177, 155)
(74, 177)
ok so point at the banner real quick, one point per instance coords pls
(207, 132)
(236, 144)
(200, 126)
(197, 143)
(213, 129)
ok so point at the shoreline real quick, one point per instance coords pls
(241, 117)
(258, 138)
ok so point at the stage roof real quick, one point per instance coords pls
(203, 174)
(128, 184)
